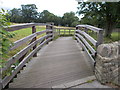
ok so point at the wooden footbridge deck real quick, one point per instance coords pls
(54, 62)
(61, 61)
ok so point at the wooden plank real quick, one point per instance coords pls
(26, 39)
(22, 52)
(100, 38)
(41, 32)
(93, 61)
(65, 63)
(22, 41)
(7, 79)
(91, 39)
(21, 26)
(69, 31)
(34, 39)
(87, 44)
(1, 80)
(66, 28)
(1, 86)
(95, 29)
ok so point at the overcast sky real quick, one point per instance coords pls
(58, 7)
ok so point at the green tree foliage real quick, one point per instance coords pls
(28, 13)
(15, 15)
(4, 37)
(101, 14)
(69, 19)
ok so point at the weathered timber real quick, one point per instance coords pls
(91, 39)
(95, 29)
(100, 37)
(21, 53)
(34, 39)
(59, 62)
(18, 43)
(41, 32)
(87, 44)
(21, 26)
(7, 79)
(93, 61)
(22, 41)
(66, 28)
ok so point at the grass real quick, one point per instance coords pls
(115, 36)
(19, 34)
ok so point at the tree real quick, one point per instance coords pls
(46, 16)
(29, 12)
(103, 12)
(15, 15)
(69, 19)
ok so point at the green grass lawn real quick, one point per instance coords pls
(115, 36)
(19, 34)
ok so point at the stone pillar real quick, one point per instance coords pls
(107, 67)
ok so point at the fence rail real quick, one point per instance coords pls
(63, 31)
(82, 35)
(24, 55)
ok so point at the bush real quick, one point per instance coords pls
(4, 37)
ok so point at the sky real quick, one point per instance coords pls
(58, 7)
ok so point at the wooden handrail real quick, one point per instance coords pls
(82, 36)
(21, 26)
(25, 54)
(95, 29)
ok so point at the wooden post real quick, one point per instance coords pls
(34, 39)
(1, 80)
(51, 27)
(47, 27)
(77, 28)
(69, 31)
(59, 32)
(64, 32)
(100, 38)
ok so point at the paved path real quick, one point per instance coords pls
(61, 61)
(87, 82)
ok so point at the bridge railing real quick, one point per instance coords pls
(83, 35)
(19, 60)
(63, 31)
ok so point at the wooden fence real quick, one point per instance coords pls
(63, 31)
(23, 56)
(82, 35)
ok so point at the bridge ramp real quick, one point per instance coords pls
(61, 61)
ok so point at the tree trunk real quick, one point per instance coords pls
(109, 24)
(109, 28)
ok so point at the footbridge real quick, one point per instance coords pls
(52, 56)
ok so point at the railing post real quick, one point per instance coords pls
(69, 31)
(0, 79)
(100, 38)
(51, 27)
(59, 31)
(34, 39)
(47, 28)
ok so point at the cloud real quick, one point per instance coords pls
(58, 7)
